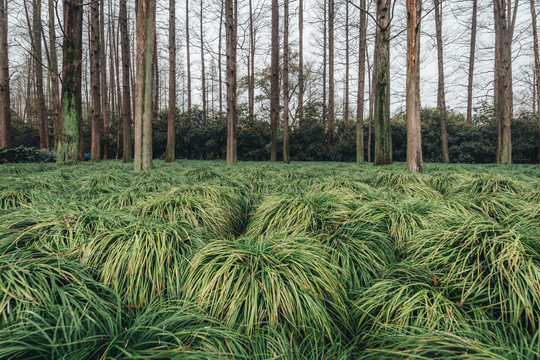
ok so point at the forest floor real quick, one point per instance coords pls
(197, 259)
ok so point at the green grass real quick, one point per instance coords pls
(199, 260)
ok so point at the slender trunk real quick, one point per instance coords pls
(115, 49)
(5, 109)
(69, 140)
(383, 131)
(471, 60)
(144, 84)
(56, 109)
(414, 131)
(301, 61)
(155, 64)
(361, 84)
(220, 55)
(371, 113)
(251, 88)
(331, 89)
(537, 70)
(274, 80)
(169, 155)
(95, 71)
(231, 33)
(188, 55)
(286, 158)
(103, 81)
(126, 96)
(203, 68)
(37, 30)
(441, 98)
(347, 64)
(325, 43)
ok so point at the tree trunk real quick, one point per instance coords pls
(169, 156)
(383, 131)
(286, 158)
(54, 73)
(220, 71)
(331, 89)
(251, 88)
(274, 80)
(37, 30)
(537, 70)
(188, 55)
(103, 81)
(126, 96)
(414, 131)
(325, 45)
(203, 68)
(361, 84)
(347, 65)
(471, 60)
(301, 61)
(69, 140)
(95, 71)
(144, 84)
(441, 98)
(5, 109)
(231, 33)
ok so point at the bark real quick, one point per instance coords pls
(441, 97)
(471, 60)
(274, 80)
(220, 71)
(331, 88)
(203, 68)
(301, 61)
(381, 120)
(188, 55)
(414, 131)
(126, 96)
(286, 158)
(95, 71)
(347, 65)
(169, 155)
(37, 53)
(537, 70)
(5, 109)
(103, 81)
(251, 88)
(69, 140)
(144, 84)
(325, 45)
(361, 84)
(53, 65)
(231, 34)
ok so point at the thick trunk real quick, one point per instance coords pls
(414, 131)
(331, 89)
(54, 74)
(126, 96)
(37, 30)
(144, 84)
(537, 70)
(383, 131)
(188, 55)
(274, 80)
(5, 109)
(286, 158)
(231, 34)
(441, 97)
(169, 155)
(361, 84)
(300, 60)
(95, 71)
(69, 140)
(471, 60)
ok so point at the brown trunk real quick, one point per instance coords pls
(361, 84)
(220, 71)
(188, 57)
(331, 89)
(144, 84)
(414, 131)
(231, 33)
(203, 68)
(126, 96)
(286, 158)
(274, 80)
(103, 81)
(471, 60)
(5, 110)
(301, 60)
(155, 64)
(56, 109)
(95, 71)
(537, 70)
(325, 43)
(347, 65)
(37, 30)
(441, 98)
(251, 88)
(169, 155)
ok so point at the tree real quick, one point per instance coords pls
(331, 89)
(441, 98)
(95, 72)
(251, 87)
(471, 59)
(414, 133)
(144, 84)
(69, 139)
(103, 80)
(188, 56)
(505, 20)
(203, 69)
(126, 96)
(5, 108)
(537, 70)
(361, 84)
(274, 81)
(347, 65)
(300, 60)
(169, 155)
(231, 34)
(286, 158)
(53, 66)
(381, 119)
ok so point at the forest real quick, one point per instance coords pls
(269, 179)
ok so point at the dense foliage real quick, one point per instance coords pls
(204, 138)
(198, 260)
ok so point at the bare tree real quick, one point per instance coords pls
(331, 84)
(95, 71)
(361, 84)
(441, 97)
(53, 66)
(472, 56)
(105, 105)
(126, 96)
(347, 65)
(536, 68)
(274, 80)
(301, 60)
(169, 156)
(220, 75)
(5, 109)
(286, 158)
(231, 19)
(188, 57)
(203, 68)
